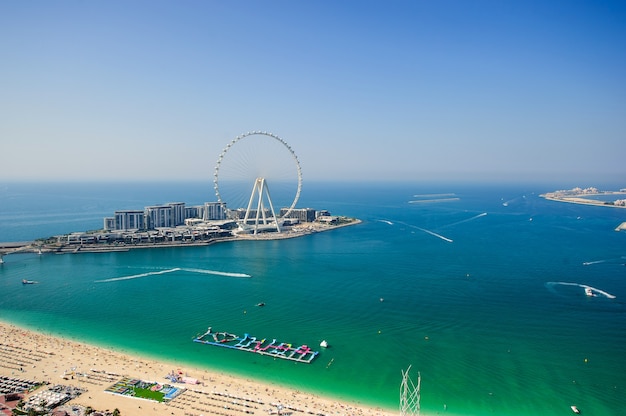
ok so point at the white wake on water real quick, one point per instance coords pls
(594, 290)
(203, 271)
(435, 234)
(506, 203)
(611, 261)
(427, 231)
(386, 222)
(137, 276)
(587, 263)
(230, 274)
(465, 220)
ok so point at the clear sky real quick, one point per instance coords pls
(365, 90)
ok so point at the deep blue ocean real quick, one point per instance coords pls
(482, 290)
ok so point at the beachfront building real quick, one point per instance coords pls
(164, 216)
(178, 212)
(109, 224)
(129, 220)
(214, 211)
(159, 216)
(301, 214)
(194, 212)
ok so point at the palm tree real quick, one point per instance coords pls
(116, 412)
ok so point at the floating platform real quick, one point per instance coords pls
(285, 351)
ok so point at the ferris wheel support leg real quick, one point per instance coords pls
(259, 208)
(260, 188)
(269, 200)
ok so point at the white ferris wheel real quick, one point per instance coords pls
(249, 167)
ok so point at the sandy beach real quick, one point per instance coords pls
(30, 355)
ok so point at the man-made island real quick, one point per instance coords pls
(585, 196)
(175, 225)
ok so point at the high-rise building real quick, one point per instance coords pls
(129, 220)
(178, 213)
(159, 216)
(214, 211)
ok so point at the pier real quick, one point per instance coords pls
(285, 351)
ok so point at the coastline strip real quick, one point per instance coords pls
(97, 368)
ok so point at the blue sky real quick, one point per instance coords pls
(363, 90)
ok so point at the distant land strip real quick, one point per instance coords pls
(421, 201)
(432, 195)
(584, 197)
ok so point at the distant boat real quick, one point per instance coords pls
(28, 282)
(589, 292)
(324, 344)
(575, 409)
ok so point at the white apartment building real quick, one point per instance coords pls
(214, 211)
(129, 220)
(178, 213)
(159, 216)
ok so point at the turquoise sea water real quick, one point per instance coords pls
(482, 293)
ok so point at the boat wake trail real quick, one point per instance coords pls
(435, 234)
(506, 203)
(386, 222)
(217, 272)
(428, 232)
(137, 276)
(466, 220)
(177, 269)
(587, 263)
(594, 290)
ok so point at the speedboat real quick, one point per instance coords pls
(575, 409)
(27, 282)
(589, 292)
(324, 344)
